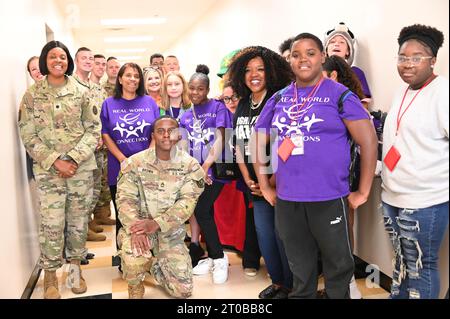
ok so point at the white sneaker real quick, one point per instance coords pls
(203, 267)
(354, 291)
(220, 270)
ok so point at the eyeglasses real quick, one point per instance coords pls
(414, 60)
(229, 99)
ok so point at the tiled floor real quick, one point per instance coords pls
(102, 278)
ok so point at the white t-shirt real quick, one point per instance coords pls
(420, 178)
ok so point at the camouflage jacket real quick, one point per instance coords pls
(54, 122)
(164, 191)
(108, 89)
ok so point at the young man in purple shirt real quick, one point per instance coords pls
(313, 156)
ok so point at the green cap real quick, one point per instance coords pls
(226, 62)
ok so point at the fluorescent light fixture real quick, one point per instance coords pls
(129, 58)
(143, 38)
(141, 50)
(144, 21)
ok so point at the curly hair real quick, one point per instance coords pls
(345, 74)
(285, 45)
(429, 36)
(278, 72)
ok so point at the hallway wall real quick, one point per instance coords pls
(23, 33)
(233, 24)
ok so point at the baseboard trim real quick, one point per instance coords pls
(32, 281)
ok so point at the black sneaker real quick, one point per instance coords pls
(269, 292)
(281, 294)
(90, 256)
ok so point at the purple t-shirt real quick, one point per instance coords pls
(362, 79)
(128, 123)
(200, 130)
(322, 172)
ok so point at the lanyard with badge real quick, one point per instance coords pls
(393, 155)
(293, 144)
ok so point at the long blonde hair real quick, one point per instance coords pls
(165, 98)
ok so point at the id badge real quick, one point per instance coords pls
(297, 139)
(391, 159)
(285, 149)
(246, 149)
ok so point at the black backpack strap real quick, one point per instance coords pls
(342, 99)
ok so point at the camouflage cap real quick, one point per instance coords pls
(226, 62)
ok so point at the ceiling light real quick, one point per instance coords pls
(141, 50)
(129, 58)
(129, 39)
(144, 21)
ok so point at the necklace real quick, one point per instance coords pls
(254, 105)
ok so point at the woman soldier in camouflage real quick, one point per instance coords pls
(59, 129)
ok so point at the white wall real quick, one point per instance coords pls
(22, 25)
(376, 24)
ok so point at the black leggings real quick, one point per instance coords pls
(204, 213)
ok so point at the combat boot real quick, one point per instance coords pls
(95, 227)
(51, 285)
(92, 236)
(136, 291)
(101, 215)
(79, 284)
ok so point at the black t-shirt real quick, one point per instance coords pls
(243, 122)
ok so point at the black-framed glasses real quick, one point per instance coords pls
(229, 99)
(414, 60)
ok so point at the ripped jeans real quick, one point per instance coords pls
(416, 235)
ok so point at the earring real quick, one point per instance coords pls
(432, 66)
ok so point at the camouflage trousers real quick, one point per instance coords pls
(105, 195)
(97, 175)
(63, 201)
(170, 264)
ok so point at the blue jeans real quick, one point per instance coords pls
(416, 235)
(270, 244)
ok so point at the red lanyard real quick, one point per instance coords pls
(399, 117)
(313, 91)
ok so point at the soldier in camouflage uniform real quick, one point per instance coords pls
(59, 127)
(102, 211)
(112, 69)
(156, 193)
(84, 61)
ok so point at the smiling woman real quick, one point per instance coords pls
(59, 128)
(126, 122)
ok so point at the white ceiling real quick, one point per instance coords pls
(85, 16)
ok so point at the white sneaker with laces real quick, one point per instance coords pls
(203, 267)
(354, 291)
(220, 270)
